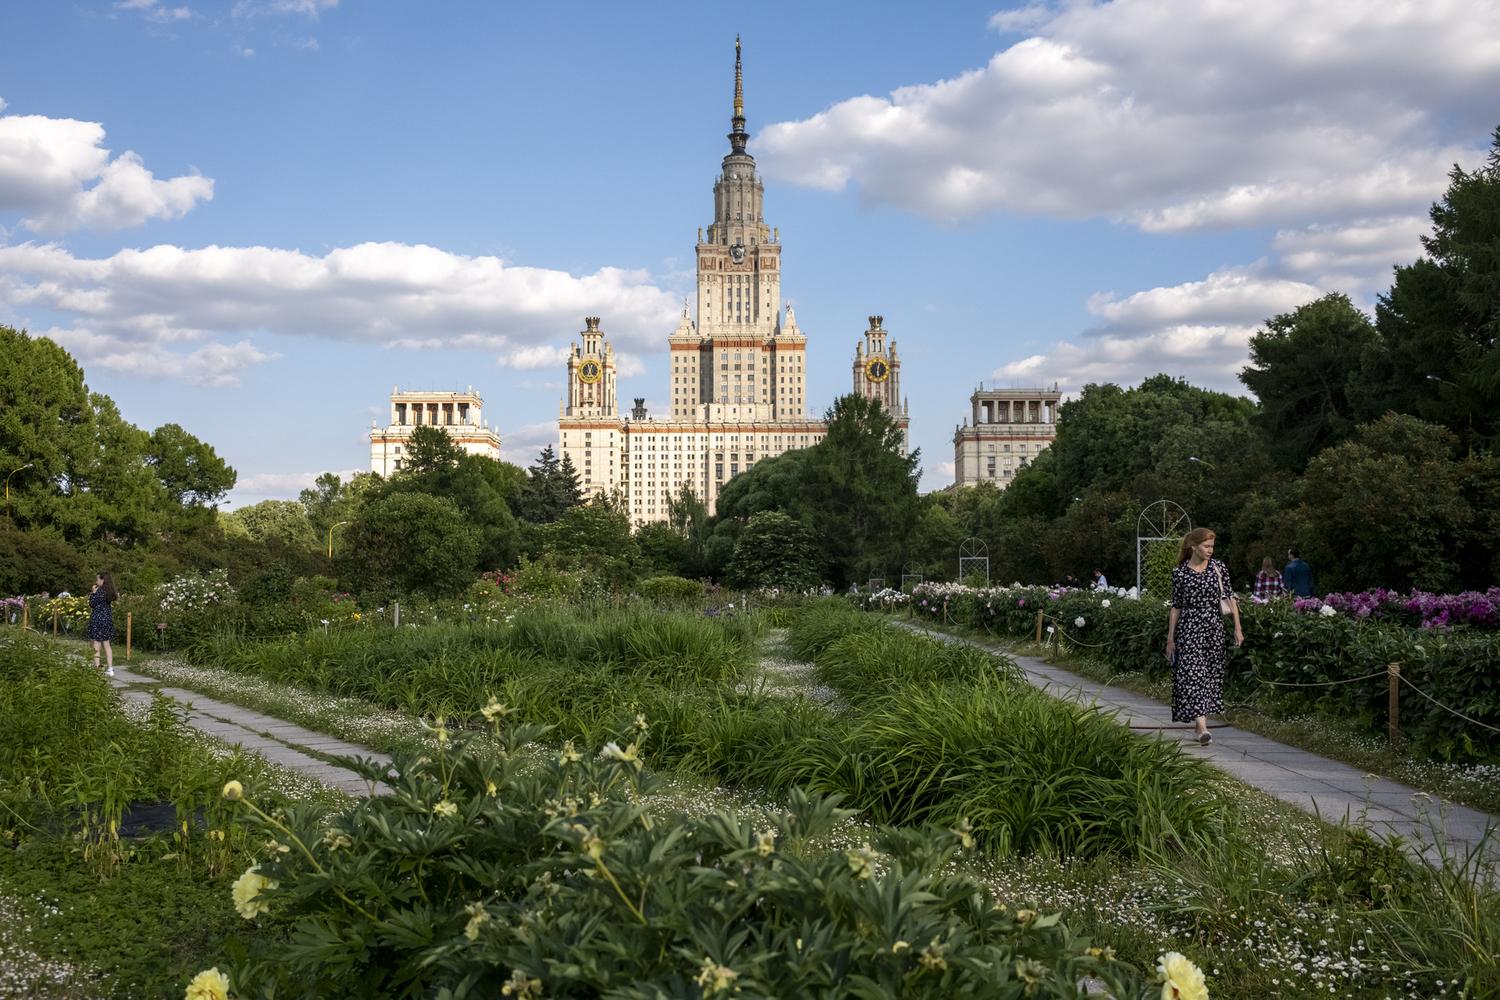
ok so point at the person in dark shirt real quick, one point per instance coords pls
(1297, 575)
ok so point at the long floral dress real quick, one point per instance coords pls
(1198, 673)
(101, 618)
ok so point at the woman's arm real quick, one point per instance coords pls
(1171, 632)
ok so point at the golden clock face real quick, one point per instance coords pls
(877, 370)
(590, 372)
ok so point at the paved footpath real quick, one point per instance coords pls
(1327, 788)
(276, 740)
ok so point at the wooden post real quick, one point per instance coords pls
(128, 616)
(1039, 617)
(25, 614)
(54, 619)
(1393, 709)
(397, 616)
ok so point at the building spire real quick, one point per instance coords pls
(738, 137)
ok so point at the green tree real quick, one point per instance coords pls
(593, 537)
(774, 550)
(1438, 353)
(189, 469)
(278, 523)
(1386, 508)
(1301, 366)
(474, 483)
(46, 421)
(409, 542)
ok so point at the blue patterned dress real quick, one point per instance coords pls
(101, 618)
(1198, 671)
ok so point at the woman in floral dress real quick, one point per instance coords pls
(1195, 632)
(102, 620)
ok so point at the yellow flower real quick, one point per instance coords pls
(445, 809)
(899, 947)
(494, 710)
(478, 917)
(570, 754)
(233, 791)
(861, 861)
(247, 890)
(629, 755)
(210, 984)
(765, 842)
(1180, 978)
(716, 978)
(965, 833)
(640, 723)
(1025, 916)
(932, 955)
(520, 986)
(491, 788)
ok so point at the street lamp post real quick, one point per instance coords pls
(7, 484)
(1195, 458)
(330, 536)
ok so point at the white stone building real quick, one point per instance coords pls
(877, 375)
(461, 414)
(1010, 428)
(738, 393)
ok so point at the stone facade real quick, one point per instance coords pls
(1010, 427)
(738, 393)
(461, 414)
(877, 375)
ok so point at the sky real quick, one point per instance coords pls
(253, 218)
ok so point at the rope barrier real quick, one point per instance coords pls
(1314, 684)
(1256, 674)
(1453, 711)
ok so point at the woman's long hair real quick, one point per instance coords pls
(1190, 540)
(1267, 566)
(107, 584)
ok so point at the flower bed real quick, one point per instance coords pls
(1339, 638)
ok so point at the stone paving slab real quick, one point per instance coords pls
(1329, 788)
(277, 740)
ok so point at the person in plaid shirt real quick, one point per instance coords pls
(1268, 585)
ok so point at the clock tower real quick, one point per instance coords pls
(877, 374)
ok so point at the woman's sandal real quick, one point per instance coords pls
(1204, 739)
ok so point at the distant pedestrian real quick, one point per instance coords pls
(1297, 576)
(102, 620)
(1100, 583)
(1195, 631)
(1268, 585)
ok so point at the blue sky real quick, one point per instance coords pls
(253, 218)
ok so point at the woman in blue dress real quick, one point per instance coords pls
(102, 620)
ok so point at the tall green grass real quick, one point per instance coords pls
(939, 732)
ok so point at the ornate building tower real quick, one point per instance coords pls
(589, 418)
(877, 375)
(738, 392)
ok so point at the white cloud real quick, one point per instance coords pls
(253, 489)
(259, 8)
(154, 10)
(1355, 258)
(1234, 295)
(1176, 115)
(57, 172)
(212, 364)
(522, 445)
(1209, 356)
(137, 302)
(538, 356)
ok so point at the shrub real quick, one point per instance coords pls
(479, 876)
(671, 590)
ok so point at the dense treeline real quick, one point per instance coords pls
(1369, 446)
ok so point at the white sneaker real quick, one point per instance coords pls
(109, 671)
